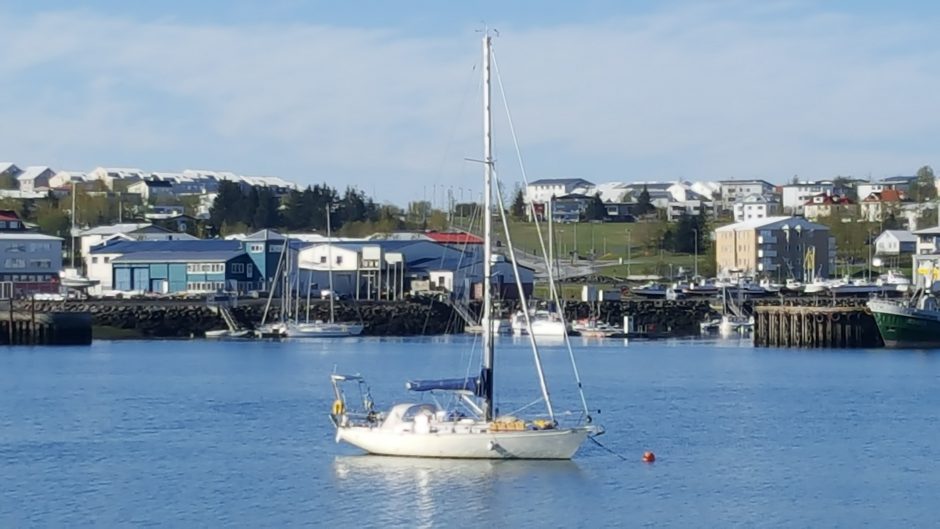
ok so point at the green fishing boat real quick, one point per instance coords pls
(908, 324)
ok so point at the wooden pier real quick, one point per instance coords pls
(28, 327)
(845, 326)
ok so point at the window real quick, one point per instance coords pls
(323, 259)
(14, 263)
(94, 260)
(40, 263)
(249, 270)
(107, 259)
(3, 224)
(238, 268)
(255, 248)
(276, 248)
(339, 259)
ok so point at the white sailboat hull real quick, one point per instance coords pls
(541, 328)
(559, 443)
(323, 330)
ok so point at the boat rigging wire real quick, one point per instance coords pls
(551, 279)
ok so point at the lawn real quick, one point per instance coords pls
(608, 242)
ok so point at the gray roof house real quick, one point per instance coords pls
(35, 178)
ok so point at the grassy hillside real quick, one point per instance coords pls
(608, 242)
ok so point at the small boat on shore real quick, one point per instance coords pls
(224, 334)
(592, 328)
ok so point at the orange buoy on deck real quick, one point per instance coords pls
(649, 457)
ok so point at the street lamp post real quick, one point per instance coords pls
(629, 249)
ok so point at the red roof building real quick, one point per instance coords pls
(878, 205)
(10, 221)
(451, 237)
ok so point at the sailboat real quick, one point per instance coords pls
(318, 328)
(71, 277)
(425, 429)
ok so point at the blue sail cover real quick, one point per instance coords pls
(447, 384)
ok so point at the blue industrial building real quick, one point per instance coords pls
(171, 272)
(169, 267)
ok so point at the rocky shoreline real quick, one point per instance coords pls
(181, 319)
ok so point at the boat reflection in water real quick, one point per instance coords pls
(430, 486)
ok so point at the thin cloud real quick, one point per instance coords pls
(685, 92)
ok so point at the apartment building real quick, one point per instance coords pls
(775, 247)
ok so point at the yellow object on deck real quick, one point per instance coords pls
(507, 424)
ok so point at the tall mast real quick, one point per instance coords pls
(73, 227)
(329, 257)
(486, 376)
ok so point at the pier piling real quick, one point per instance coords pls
(846, 325)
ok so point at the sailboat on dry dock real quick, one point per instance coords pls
(472, 427)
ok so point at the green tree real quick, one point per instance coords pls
(927, 218)
(595, 209)
(518, 205)
(419, 210)
(437, 220)
(643, 203)
(689, 234)
(890, 222)
(668, 242)
(266, 214)
(8, 181)
(465, 210)
(227, 207)
(52, 220)
(925, 187)
(295, 216)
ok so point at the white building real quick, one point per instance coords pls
(794, 196)
(148, 189)
(880, 204)
(895, 242)
(35, 178)
(711, 190)
(734, 190)
(65, 179)
(120, 176)
(9, 169)
(928, 240)
(675, 210)
(134, 231)
(541, 191)
(31, 261)
(755, 207)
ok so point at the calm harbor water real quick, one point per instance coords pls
(210, 434)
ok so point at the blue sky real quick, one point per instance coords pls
(384, 95)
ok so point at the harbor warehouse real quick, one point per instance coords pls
(779, 248)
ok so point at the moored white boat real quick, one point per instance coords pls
(731, 325)
(474, 430)
(225, 333)
(543, 323)
(322, 329)
(592, 328)
(817, 286)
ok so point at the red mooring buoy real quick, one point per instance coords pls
(649, 457)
